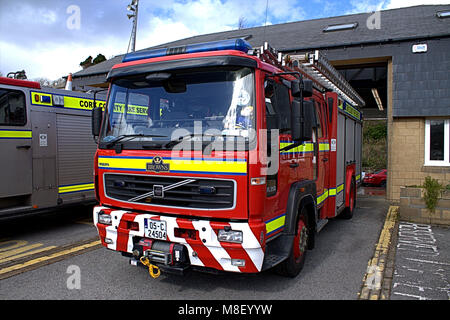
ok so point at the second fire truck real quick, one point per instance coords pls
(222, 157)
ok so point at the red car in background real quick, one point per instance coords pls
(378, 178)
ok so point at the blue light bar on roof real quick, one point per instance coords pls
(231, 44)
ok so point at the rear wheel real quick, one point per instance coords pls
(292, 266)
(348, 211)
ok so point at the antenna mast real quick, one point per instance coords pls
(133, 8)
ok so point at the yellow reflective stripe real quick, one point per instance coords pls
(132, 109)
(17, 134)
(83, 104)
(76, 188)
(306, 147)
(324, 147)
(69, 102)
(175, 165)
(275, 224)
(352, 111)
(322, 197)
(347, 108)
(335, 191)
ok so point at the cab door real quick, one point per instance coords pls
(15, 143)
(322, 153)
(285, 172)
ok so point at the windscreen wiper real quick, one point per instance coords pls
(123, 136)
(174, 142)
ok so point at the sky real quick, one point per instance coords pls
(49, 38)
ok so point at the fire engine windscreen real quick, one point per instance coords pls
(213, 104)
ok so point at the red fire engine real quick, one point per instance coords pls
(221, 157)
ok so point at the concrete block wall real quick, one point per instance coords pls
(412, 207)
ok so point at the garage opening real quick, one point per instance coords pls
(370, 80)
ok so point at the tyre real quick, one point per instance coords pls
(292, 266)
(348, 211)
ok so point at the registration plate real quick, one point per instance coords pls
(155, 229)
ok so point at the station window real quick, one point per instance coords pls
(12, 108)
(437, 142)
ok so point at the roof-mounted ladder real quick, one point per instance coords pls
(315, 66)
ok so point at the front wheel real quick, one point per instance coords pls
(292, 266)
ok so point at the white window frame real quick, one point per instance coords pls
(446, 161)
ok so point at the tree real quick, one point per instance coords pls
(59, 83)
(45, 82)
(89, 62)
(86, 63)
(242, 23)
(99, 58)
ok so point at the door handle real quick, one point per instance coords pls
(325, 159)
(293, 165)
(23, 147)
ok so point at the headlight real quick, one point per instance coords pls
(104, 218)
(230, 236)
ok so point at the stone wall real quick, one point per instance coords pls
(413, 208)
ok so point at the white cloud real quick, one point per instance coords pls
(392, 4)
(183, 19)
(51, 61)
(162, 31)
(362, 6)
(365, 6)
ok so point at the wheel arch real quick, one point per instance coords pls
(302, 195)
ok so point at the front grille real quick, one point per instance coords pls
(200, 194)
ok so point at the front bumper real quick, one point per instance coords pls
(199, 237)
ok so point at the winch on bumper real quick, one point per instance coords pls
(170, 257)
(208, 245)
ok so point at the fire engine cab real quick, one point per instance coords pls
(223, 157)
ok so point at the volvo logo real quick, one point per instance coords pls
(158, 165)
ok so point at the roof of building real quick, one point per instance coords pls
(418, 22)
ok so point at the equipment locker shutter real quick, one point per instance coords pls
(358, 150)
(76, 150)
(349, 140)
(340, 159)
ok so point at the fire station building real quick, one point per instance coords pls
(397, 60)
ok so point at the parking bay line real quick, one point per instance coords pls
(36, 263)
(29, 253)
(17, 244)
(18, 250)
